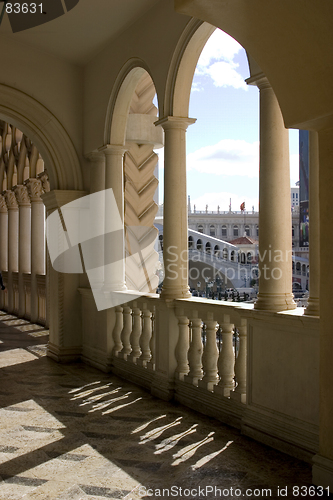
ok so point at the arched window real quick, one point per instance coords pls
(190, 242)
(247, 230)
(257, 230)
(304, 270)
(200, 228)
(199, 245)
(235, 230)
(217, 251)
(224, 231)
(242, 258)
(225, 254)
(298, 268)
(212, 230)
(232, 255)
(249, 257)
(208, 247)
(293, 232)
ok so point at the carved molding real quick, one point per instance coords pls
(35, 189)
(3, 205)
(45, 181)
(11, 201)
(22, 196)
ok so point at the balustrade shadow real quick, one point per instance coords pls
(79, 432)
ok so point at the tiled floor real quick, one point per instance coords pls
(72, 432)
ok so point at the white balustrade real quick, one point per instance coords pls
(126, 333)
(226, 363)
(195, 351)
(145, 337)
(210, 355)
(135, 333)
(116, 334)
(182, 346)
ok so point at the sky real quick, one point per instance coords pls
(223, 145)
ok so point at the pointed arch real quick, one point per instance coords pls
(47, 133)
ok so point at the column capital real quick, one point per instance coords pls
(96, 156)
(260, 80)
(35, 189)
(22, 196)
(45, 181)
(113, 149)
(175, 122)
(10, 199)
(3, 206)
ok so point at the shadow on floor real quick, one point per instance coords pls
(72, 432)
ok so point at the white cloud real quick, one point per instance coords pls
(219, 46)
(224, 74)
(227, 157)
(217, 62)
(222, 199)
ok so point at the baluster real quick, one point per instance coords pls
(126, 332)
(116, 334)
(182, 347)
(151, 363)
(226, 363)
(145, 337)
(210, 355)
(195, 351)
(136, 333)
(240, 367)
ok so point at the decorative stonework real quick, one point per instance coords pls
(3, 205)
(140, 185)
(22, 196)
(45, 181)
(35, 189)
(11, 201)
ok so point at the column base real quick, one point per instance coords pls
(322, 472)
(170, 293)
(312, 309)
(275, 302)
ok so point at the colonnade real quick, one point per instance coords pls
(22, 245)
(275, 246)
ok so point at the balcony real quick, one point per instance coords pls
(255, 370)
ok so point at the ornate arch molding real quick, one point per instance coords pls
(120, 99)
(47, 133)
(182, 67)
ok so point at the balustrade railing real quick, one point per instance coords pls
(41, 295)
(133, 333)
(210, 348)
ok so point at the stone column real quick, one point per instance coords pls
(3, 234)
(3, 242)
(314, 224)
(275, 246)
(323, 461)
(35, 190)
(175, 245)
(13, 228)
(24, 241)
(114, 244)
(97, 212)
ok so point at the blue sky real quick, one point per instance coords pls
(223, 144)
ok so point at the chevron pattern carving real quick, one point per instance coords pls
(140, 208)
